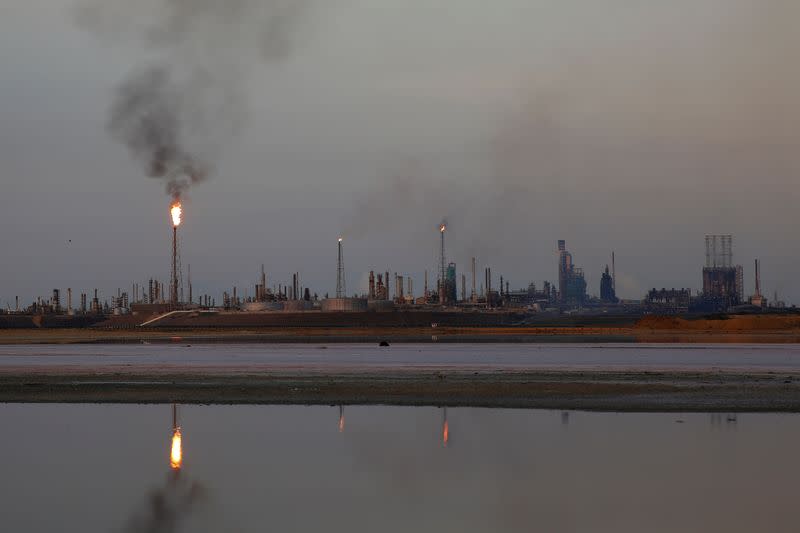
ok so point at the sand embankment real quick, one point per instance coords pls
(592, 390)
(728, 329)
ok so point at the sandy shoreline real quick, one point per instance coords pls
(584, 390)
(457, 385)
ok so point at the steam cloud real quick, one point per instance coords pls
(176, 114)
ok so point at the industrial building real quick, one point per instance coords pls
(571, 281)
(723, 283)
(668, 301)
(608, 293)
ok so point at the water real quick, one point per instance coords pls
(756, 357)
(87, 468)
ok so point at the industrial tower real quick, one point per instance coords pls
(442, 266)
(340, 283)
(174, 282)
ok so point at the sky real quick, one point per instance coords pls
(632, 126)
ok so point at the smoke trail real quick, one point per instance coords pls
(146, 117)
(176, 114)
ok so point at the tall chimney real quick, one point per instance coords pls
(341, 290)
(474, 295)
(371, 294)
(613, 273)
(758, 278)
(173, 295)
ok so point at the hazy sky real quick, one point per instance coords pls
(628, 125)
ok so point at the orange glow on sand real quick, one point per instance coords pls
(176, 452)
(176, 211)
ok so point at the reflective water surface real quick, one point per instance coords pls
(133, 357)
(134, 468)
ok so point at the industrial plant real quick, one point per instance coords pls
(390, 299)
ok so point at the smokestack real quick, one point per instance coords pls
(474, 296)
(613, 272)
(410, 289)
(69, 301)
(489, 286)
(189, 275)
(758, 278)
(263, 283)
(463, 286)
(425, 294)
(340, 281)
(442, 267)
(386, 280)
(173, 295)
(371, 294)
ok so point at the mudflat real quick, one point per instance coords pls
(586, 390)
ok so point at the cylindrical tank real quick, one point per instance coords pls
(297, 305)
(255, 306)
(380, 305)
(344, 304)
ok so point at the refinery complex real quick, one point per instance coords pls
(447, 296)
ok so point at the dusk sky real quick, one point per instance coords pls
(628, 125)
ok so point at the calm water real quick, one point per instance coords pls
(757, 357)
(87, 468)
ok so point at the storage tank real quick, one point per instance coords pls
(380, 305)
(344, 304)
(297, 305)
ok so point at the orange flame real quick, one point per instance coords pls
(176, 210)
(443, 227)
(445, 434)
(176, 453)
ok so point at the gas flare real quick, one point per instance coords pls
(443, 227)
(176, 452)
(176, 210)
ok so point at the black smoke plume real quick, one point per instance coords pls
(146, 117)
(176, 113)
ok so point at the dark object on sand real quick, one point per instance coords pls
(384, 343)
